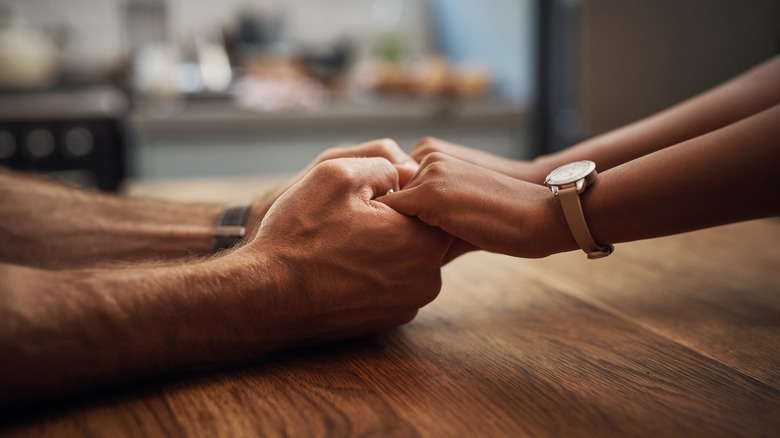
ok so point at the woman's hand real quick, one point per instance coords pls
(524, 170)
(483, 208)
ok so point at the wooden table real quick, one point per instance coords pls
(678, 336)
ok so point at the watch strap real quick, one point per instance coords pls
(572, 211)
(230, 227)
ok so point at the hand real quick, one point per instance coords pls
(346, 264)
(384, 148)
(484, 209)
(524, 170)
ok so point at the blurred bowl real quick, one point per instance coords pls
(28, 58)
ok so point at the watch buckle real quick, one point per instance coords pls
(602, 252)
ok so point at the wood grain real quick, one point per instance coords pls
(669, 337)
(716, 291)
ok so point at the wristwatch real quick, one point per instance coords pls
(566, 183)
(230, 227)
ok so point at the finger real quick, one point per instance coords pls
(427, 141)
(389, 149)
(428, 145)
(375, 174)
(405, 174)
(404, 202)
(385, 148)
(423, 147)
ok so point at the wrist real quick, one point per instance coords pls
(260, 206)
(569, 185)
(540, 167)
(553, 232)
(541, 228)
(154, 230)
(238, 310)
(230, 227)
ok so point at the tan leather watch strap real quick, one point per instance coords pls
(572, 210)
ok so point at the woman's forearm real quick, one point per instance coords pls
(750, 93)
(725, 176)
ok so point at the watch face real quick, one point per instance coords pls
(571, 172)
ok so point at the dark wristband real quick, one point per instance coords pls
(230, 227)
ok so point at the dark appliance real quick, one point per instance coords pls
(75, 135)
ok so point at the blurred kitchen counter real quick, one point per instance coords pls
(234, 190)
(214, 137)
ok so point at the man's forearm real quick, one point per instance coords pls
(71, 330)
(46, 224)
(743, 96)
(314, 271)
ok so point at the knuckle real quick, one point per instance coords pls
(424, 150)
(389, 149)
(434, 169)
(378, 164)
(425, 141)
(334, 171)
(435, 157)
(331, 153)
(388, 144)
(425, 147)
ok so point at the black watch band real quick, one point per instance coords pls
(230, 227)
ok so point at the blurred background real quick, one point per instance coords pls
(100, 91)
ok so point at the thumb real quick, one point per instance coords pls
(403, 201)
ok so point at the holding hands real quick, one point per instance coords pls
(335, 253)
(381, 148)
(346, 264)
(325, 262)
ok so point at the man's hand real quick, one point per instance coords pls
(346, 264)
(328, 262)
(383, 148)
(38, 226)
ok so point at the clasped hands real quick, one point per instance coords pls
(350, 257)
